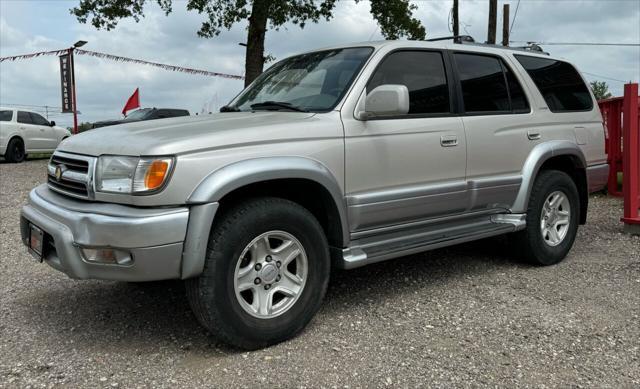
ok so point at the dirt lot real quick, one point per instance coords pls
(467, 316)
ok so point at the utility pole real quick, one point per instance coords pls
(505, 25)
(456, 24)
(493, 16)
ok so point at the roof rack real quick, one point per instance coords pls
(468, 40)
(456, 39)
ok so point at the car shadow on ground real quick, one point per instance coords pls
(29, 158)
(100, 315)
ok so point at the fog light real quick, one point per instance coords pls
(107, 256)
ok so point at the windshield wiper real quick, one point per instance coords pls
(277, 104)
(229, 108)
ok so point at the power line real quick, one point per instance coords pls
(579, 43)
(515, 14)
(605, 77)
(31, 105)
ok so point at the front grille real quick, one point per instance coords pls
(76, 171)
(78, 165)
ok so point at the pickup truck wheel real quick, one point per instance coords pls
(15, 151)
(552, 219)
(265, 275)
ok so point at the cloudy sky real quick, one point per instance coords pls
(103, 86)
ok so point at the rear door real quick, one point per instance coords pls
(406, 168)
(498, 122)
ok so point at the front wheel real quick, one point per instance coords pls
(552, 219)
(266, 273)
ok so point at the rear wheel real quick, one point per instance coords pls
(552, 219)
(265, 275)
(15, 151)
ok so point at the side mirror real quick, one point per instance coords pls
(52, 123)
(385, 100)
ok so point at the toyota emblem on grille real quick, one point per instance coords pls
(59, 170)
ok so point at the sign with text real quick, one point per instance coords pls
(66, 83)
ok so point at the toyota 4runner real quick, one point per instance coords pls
(339, 157)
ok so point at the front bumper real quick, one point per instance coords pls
(155, 237)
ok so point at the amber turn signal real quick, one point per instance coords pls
(156, 174)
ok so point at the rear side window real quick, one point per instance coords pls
(519, 101)
(484, 88)
(423, 73)
(6, 115)
(488, 85)
(559, 83)
(24, 117)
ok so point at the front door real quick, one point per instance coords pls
(48, 135)
(411, 167)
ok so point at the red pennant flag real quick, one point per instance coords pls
(133, 102)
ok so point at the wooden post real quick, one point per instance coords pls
(456, 23)
(493, 16)
(505, 25)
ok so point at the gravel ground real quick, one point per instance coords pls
(467, 316)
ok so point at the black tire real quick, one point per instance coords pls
(531, 243)
(15, 151)
(212, 297)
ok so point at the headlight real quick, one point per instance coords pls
(133, 175)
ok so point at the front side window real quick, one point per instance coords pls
(24, 117)
(37, 119)
(6, 115)
(312, 82)
(559, 83)
(423, 73)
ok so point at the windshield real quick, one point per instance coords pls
(309, 82)
(138, 114)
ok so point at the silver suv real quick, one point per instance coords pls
(339, 157)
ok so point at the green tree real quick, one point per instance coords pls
(600, 90)
(82, 127)
(395, 18)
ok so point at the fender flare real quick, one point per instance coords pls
(239, 174)
(537, 157)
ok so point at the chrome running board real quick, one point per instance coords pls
(378, 248)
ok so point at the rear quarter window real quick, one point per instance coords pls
(559, 83)
(6, 115)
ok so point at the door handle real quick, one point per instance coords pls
(22, 128)
(448, 140)
(533, 135)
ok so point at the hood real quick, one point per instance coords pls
(187, 134)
